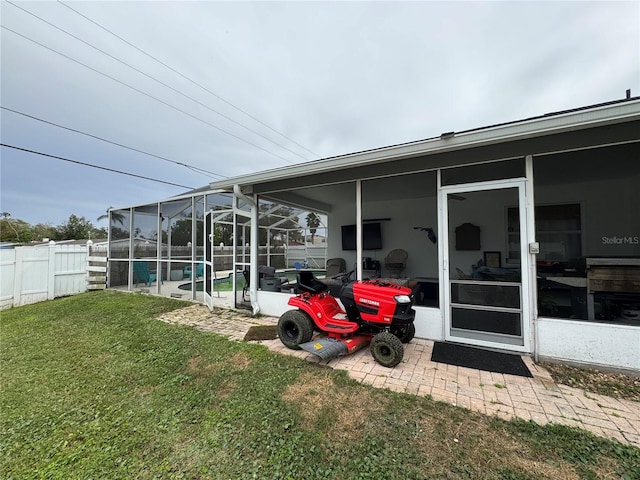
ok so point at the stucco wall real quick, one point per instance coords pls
(429, 323)
(589, 343)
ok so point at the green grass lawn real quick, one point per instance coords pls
(93, 387)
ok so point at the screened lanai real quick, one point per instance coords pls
(160, 247)
(520, 237)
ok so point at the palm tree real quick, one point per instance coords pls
(115, 216)
(313, 222)
(5, 216)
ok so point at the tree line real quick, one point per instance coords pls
(15, 230)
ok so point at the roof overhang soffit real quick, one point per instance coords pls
(298, 201)
(609, 134)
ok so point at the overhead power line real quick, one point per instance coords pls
(94, 166)
(146, 94)
(190, 80)
(155, 79)
(190, 167)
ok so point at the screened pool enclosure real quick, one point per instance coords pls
(170, 247)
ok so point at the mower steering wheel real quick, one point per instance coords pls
(344, 276)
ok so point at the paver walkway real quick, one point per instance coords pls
(506, 396)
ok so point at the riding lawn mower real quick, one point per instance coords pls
(370, 312)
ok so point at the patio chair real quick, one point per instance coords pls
(199, 270)
(335, 266)
(264, 271)
(396, 262)
(141, 273)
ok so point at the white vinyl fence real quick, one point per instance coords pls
(315, 255)
(34, 274)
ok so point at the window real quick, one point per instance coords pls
(558, 230)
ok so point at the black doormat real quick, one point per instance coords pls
(479, 359)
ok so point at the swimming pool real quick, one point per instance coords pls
(225, 283)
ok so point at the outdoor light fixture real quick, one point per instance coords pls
(447, 135)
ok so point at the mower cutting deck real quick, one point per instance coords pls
(327, 348)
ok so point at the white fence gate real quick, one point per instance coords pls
(33, 274)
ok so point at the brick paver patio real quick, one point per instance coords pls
(506, 396)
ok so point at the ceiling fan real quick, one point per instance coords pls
(455, 196)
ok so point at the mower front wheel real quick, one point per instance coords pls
(295, 327)
(387, 349)
(405, 334)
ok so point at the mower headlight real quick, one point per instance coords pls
(403, 298)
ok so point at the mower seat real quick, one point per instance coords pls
(308, 283)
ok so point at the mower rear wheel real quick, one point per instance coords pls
(295, 327)
(405, 334)
(387, 349)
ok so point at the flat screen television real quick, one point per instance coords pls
(371, 236)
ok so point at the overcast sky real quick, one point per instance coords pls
(234, 88)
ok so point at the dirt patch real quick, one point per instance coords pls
(261, 332)
(194, 364)
(144, 390)
(443, 441)
(339, 412)
(226, 388)
(197, 367)
(616, 385)
(240, 361)
(202, 372)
